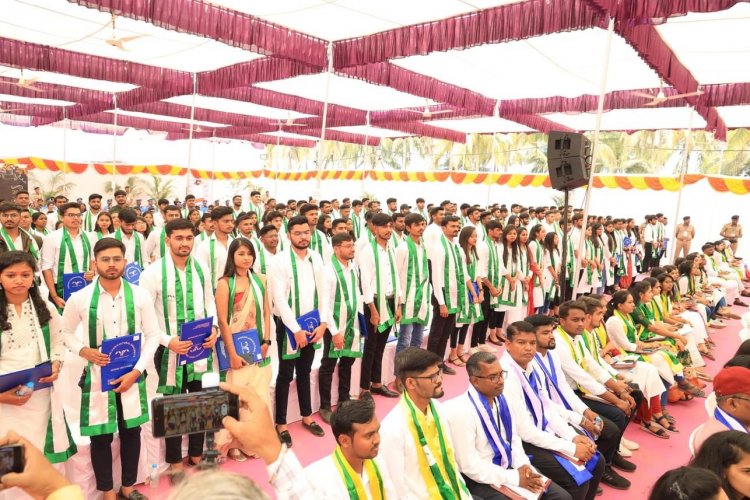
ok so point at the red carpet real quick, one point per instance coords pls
(653, 458)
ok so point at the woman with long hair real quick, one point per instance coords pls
(727, 454)
(195, 216)
(632, 253)
(39, 224)
(31, 334)
(141, 226)
(523, 265)
(242, 305)
(551, 274)
(149, 218)
(591, 269)
(103, 227)
(509, 283)
(609, 244)
(115, 222)
(688, 483)
(536, 263)
(473, 296)
(325, 226)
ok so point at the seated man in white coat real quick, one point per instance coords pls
(353, 463)
(489, 451)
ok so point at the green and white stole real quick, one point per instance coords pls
(395, 239)
(471, 313)
(508, 297)
(33, 248)
(89, 221)
(137, 252)
(98, 409)
(457, 287)
(632, 333)
(553, 290)
(345, 310)
(163, 243)
(493, 269)
(260, 252)
(259, 294)
(356, 225)
(58, 442)
(170, 374)
(539, 259)
(523, 267)
(571, 260)
(290, 352)
(434, 456)
(386, 315)
(416, 307)
(212, 260)
(353, 482)
(316, 242)
(66, 248)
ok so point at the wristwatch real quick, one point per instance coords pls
(265, 341)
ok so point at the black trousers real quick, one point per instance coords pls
(372, 356)
(479, 332)
(195, 441)
(440, 330)
(487, 492)
(612, 416)
(130, 452)
(325, 374)
(287, 368)
(546, 463)
(647, 262)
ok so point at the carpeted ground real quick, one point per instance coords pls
(653, 458)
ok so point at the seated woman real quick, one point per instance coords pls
(727, 454)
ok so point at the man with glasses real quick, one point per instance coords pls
(732, 412)
(489, 451)
(415, 439)
(67, 250)
(120, 310)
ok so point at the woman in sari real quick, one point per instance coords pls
(242, 305)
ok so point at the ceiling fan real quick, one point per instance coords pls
(8, 110)
(660, 97)
(289, 122)
(427, 113)
(26, 83)
(119, 42)
(196, 130)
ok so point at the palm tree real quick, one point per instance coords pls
(157, 187)
(133, 185)
(54, 185)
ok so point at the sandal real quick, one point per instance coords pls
(655, 430)
(495, 341)
(456, 361)
(689, 388)
(669, 417)
(670, 425)
(464, 357)
(708, 354)
(236, 455)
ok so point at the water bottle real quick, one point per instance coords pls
(26, 389)
(153, 477)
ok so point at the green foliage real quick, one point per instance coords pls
(52, 185)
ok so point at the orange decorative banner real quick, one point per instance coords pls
(734, 185)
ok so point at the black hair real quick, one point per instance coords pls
(340, 238)
(120, 192)
(229, 268)
(219, 212)
(742, 360)
(12, 258)
(534, 232)
(307, 207)
(21, 191)
(266, 229)
(719, 452)
(638, 288)
(413, 361)
(565, 307)
(7, 206)
(273, 214)
(591, 304)
(336, 222)
(513, 248)
(128, 215)
(537, 320)
(618, 298)
(36, 216)
(472, 365)
(744, 348)
(190, 197)
(686, 483)
(348, 413)
(381, 219)
(172, 208)
(96, 224)
(299, 220)
(518, 327)
(493, 224)
(177, 225)
(463, 242)
(93, 196)
(549, 243)
(68, 206)
(107, 243)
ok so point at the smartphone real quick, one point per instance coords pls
(192, 413)
(11, 459)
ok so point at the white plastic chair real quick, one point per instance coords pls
(691, 439)
(710, 404)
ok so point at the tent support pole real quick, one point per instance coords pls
(190, 135)
(594, 152)
(114, 147)
(684, 165)
(319, 153)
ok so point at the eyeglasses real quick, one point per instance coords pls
(495, 378)
(434, 377)
(734, 397)
(73, 216)
(113, 260)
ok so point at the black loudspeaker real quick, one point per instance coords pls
(568, 160)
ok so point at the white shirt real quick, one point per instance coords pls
(330, 284)
(327, 484)
(402, 264)
(472, 448)
(152, 248)
(369, 272)
(561, 439)
(111, 320)
(578, 407)
(151, 280)
(203, 253)
(431, 234)
(399, 452)
(592, 378)
(129, 242)
(309, 277)
(52, 218)
(51, 253)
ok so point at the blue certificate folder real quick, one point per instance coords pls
(475, 285)
(246, 344)
(308, 322)
(123, 354)
(132, 273)
(23, 377)
(72, 282)
(197, 332)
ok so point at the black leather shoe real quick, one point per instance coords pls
(285, 438)
(384, 391)
(325, 414)
(614, 480)
(366, 396)
(314, 428)
(619, 462)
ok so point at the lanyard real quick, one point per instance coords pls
(94, 312)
